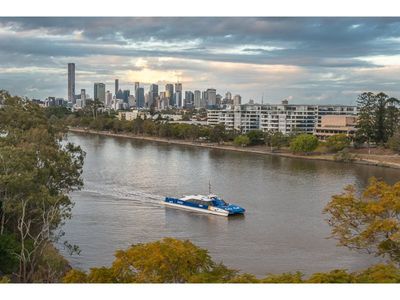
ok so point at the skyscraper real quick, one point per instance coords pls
(99, 92)
(237, 100)
(178, 87)
(108, 99)
(197, 99)
(139, 95)
(71, 82)
(136, 86)
(169, 93)
(178, 99)
(178, 94)
(119, 95)
(126, 94)
(211, 97)
(116, 86)
(153, 94)
(83, 97)
(188, 101)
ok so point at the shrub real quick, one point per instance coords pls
(304, 143)
(337, 142)
(241, 140)
(344, 156)
(394, 142)
(256, 137)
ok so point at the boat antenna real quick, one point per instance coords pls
(209, 187)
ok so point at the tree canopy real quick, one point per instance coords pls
(369, 222)
(379, 115)
(38, 170)
(304, 143)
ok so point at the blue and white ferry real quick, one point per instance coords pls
(210, 204)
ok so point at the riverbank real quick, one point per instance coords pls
(389, 161)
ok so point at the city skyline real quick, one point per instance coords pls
(313, 60)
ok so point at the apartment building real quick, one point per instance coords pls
(283, 117)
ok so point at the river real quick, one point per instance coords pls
(283, 229)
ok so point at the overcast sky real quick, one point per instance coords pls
(305, 60)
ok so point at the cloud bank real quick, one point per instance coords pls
(313, 60)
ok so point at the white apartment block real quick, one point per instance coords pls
(276, 117)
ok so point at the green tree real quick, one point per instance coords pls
(337, 142)
(284, 278)
(218, 133)
(380, 273)
(369, 222)
(166, 261)
(394, 142)
(378, 116)
(241, 140)
(304, 143)
(256, 137)
(149, 127)
(36, 175)
(9, 247)
(276, 139)
(335, 276)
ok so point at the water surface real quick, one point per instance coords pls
(283, 229)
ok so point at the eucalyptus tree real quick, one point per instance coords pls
(38, 169)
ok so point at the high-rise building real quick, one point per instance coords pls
(71, 83)
(116, 86)
(83, 97)
(178, 95)
(126, 94)
(178, 99)
(178, 87)
(136, 85)
(211, 97)
(139, 95)
(153, 94)
(99, 92)
(119, 95)
(189, 99)
(237, 100)
(197, 99)
(228, 96)
(108, 99)
(169, 93)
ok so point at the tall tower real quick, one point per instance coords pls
(71, 82)
(116, 86)
(99, 92)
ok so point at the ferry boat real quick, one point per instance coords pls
(210, 204)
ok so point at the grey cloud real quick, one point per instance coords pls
(318, 45)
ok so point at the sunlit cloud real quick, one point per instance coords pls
(301, 59)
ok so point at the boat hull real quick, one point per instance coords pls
(195, 209)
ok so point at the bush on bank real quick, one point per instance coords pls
(177, 261)
(304, 143)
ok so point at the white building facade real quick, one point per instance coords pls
(285, 118)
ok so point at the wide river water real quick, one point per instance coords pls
(283, 228)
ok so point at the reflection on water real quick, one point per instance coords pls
(283, 229)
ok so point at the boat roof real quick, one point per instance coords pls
(199, 197)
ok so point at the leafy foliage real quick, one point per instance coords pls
(378, 118)
(394, 142)
(168, 260)
(8, 248)
(304, 143)
(241, 140)
(38, 171)
(256, 137)
(276, 139)
(344, 156)
(369, 222)
(337, 142)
